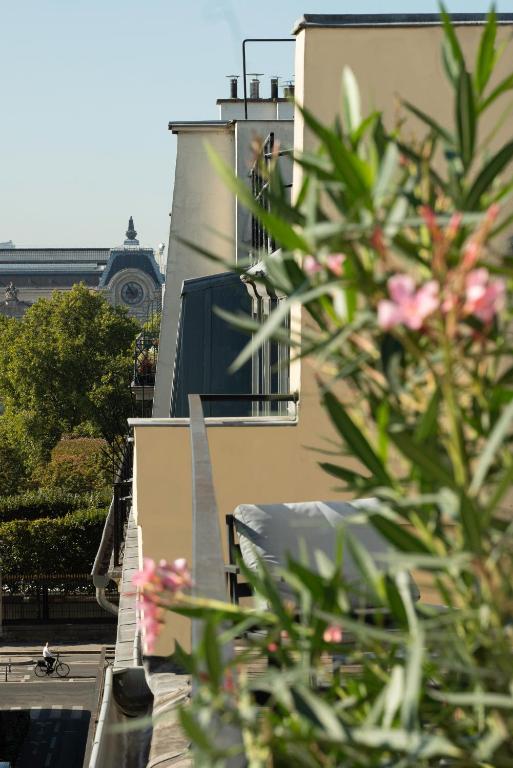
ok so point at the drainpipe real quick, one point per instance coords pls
(100, 581)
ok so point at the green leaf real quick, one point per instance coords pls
(466, 118)
(283, 232)
(212, 653)
(488, 454)
(422, 457)
(486, 55)
(413, 679)
(474, 699)
(351, 102)
(351, 169)
(394, 695)
(387, 172)
(355, 439)
(431, 122)
(453, 58)
(319, 712)
(427, 424)
(500, 491)
(353, 479)
(196, 732)
(504, 85)
(366, 566)
(398, 535)
(488, 175)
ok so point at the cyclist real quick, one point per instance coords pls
(49, 658)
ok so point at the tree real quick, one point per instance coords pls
(68, 361)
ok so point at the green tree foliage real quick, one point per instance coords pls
(60, 545)
(68, 361)
(77, 465)
(47, 503)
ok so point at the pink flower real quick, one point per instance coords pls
(408, 306)
(153, 581)
(483, 297)
(333, 634)
(454, 225)
(149, 621)
(335, 262)
(492, 213)
(471, 254)
(176, 575)
(272, 647)
(311, 266)
(147, 575)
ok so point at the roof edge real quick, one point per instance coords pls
(176, 126)
(310, 20)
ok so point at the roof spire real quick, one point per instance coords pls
(131, 234)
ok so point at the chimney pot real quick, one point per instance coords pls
(274, 87)
(254, 88)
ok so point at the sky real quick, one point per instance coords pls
(88, 87)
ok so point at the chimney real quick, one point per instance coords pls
(288, 91)
(233, 85)
(254, 85)
(274, 87)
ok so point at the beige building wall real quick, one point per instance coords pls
(203, 212)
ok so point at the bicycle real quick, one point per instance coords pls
(59, 667)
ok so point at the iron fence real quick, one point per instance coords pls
(57, 598)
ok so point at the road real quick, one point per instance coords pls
(60, 709)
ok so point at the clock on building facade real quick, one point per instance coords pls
(132, 293)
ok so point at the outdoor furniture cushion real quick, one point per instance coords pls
(273, 532)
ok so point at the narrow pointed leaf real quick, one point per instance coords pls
(453, 58)
(398, 535)
(422, 457)
(489, 452)
(504, 86)
(351, 101)
(488, 175)
(431, 122)
(466, 118)
(355, 439)
(486, 54)
(283, 232)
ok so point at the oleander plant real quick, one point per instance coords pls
(396, 250)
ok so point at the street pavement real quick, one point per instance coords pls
(60, 708)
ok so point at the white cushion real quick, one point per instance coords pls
(273, 532)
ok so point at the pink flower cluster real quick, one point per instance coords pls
(153, 581)
(410, 306)
(334, 262)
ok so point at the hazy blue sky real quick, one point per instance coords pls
(87, 88)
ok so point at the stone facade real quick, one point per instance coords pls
(127, 275)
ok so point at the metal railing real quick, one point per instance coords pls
(46, 598)
(122, 502)
(208, 570)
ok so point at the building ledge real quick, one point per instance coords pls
(310, 20)
(181, 126)
(214, 421)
